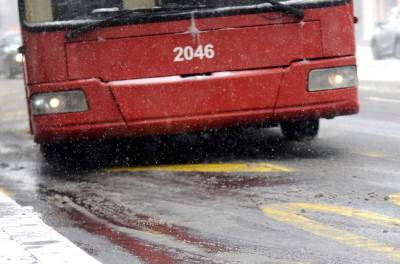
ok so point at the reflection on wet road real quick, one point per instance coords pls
(232, 196)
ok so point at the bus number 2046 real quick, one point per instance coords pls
(189, 53)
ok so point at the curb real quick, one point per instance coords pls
(26, 239)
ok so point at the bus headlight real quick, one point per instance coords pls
(59, 102)
(19, 58)
(332, 78)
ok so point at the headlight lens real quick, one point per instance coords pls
(59, 102)
(332, 78)
(19, 58)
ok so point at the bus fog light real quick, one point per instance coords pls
(332, 78)
(59, 102)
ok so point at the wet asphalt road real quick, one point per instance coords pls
(245, 196)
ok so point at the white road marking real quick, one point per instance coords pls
(25, 239)
(384, 100)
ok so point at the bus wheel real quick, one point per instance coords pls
(58, 153)
(375, 50)
(397, 50)
(300, 130)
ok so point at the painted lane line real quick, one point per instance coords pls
(212, 168)
(374, 155)
(383, 100)
(23, 232)
(290, 214)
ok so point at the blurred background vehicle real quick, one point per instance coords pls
(385, 41)
(10, 59)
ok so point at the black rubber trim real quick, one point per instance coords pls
(173, 17)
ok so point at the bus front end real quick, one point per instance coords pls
(132, 68)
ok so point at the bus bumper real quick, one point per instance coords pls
(175, 104)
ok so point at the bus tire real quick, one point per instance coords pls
(57, 152)
(397, 49)
(375, 50)
(300, 130)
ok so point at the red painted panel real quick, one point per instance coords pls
(45, 57)
(150, 127)
(170, 27)
(311, 40)
(235, 49)
(175, 96)
(338, 32)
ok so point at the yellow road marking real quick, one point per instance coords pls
(290, 213)
(216, 167)
(375, 155)
(349, 212)
(395, 198)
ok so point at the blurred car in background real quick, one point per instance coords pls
(386, 38)
(10, 59)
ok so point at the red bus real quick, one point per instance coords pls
(130, 68)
